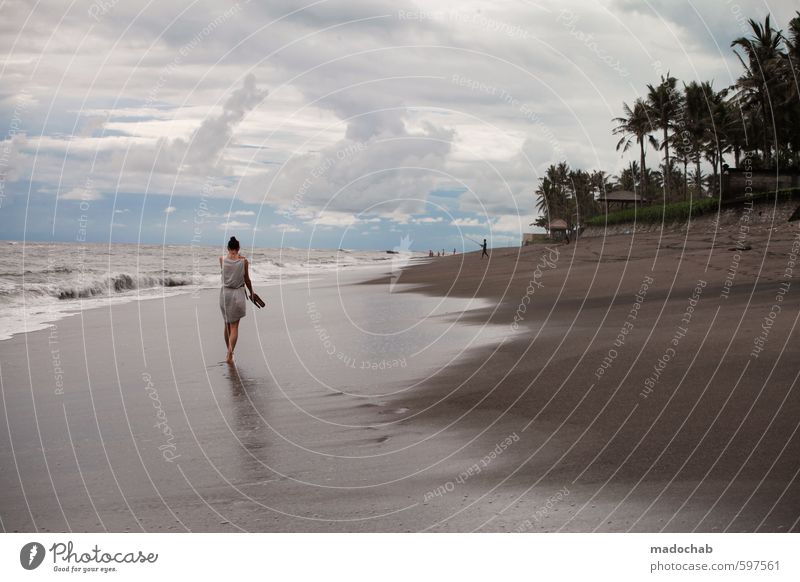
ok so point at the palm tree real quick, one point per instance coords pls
(581, 183)
(683, 156)
(635, 127)
(553, 192)
(724, 122)
(759, 84)
(600, 183)
(696, 123)
(793, 94)
(664, 103)
(793, 41)
(545, 193)
(628, 177)
(674, 175)
(741, 125)
(696, 179)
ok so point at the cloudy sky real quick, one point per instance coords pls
(335, 123)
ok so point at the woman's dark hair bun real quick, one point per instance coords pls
(233, 244)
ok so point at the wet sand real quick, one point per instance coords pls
(126, 419)
(428, 407)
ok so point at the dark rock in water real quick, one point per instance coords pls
(740, 248)
(392, 252)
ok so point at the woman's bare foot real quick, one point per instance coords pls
(229, 359)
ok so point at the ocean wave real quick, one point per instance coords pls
(86, 287)
(46, 290)
(63, 270)
(59, 269)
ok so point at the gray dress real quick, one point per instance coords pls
(232, 296)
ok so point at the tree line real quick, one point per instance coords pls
(757, 118)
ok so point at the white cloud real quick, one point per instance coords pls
(239, 213)
(468, 223)
(169, 210)
(234, 224)
(480, 100)
(287, 228)
(82, 194)
(332, 218)
(511, 223)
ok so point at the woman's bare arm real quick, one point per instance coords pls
(247, 282)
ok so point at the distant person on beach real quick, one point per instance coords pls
(454, 251)
(484, 246)
(232, 296)
(430, 253)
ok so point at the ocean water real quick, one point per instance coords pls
(41, 282)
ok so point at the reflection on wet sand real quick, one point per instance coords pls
(248, 421)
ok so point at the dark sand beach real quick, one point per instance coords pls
(439, 406)
(661, 417)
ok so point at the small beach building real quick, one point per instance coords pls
(621, 198)
(558, 228)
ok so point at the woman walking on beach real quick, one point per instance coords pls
(232, 296)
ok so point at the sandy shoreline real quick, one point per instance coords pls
(655, 399)
(143, 428)
(359, 409)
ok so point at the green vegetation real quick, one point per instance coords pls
(668, 213)
(694, 126)
(683, 211)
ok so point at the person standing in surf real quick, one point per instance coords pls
(232, 296)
